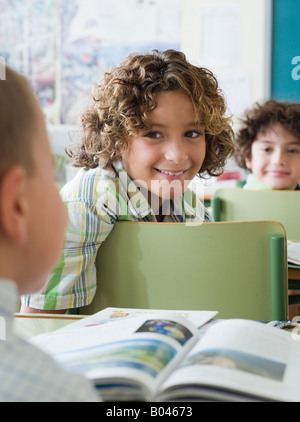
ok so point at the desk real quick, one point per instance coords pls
(294, 274)
(29, 325)
(206, 199)
(294, 294)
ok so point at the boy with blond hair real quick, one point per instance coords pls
(32, 227)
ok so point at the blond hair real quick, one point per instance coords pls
(17, 123)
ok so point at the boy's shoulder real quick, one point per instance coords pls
(96, 173)
(32, 375)
(252, 183)
(86, 181)
(29, 373)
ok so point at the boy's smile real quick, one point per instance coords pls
(171, 175)
(275, 158)
(167, 156)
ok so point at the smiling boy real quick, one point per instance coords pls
(156, 122)
(269, 146)
(170, 153)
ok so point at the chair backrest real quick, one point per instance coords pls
(238, 269)
(243, 205)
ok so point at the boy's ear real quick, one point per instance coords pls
(13, 205)
(117, 154)
(248, 163)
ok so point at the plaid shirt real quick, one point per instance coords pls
(26, 373)
(96, 199)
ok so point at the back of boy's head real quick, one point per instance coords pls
(261, 118)
(128, 93)
(17, 108)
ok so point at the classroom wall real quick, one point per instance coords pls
(233, 39)
(66, 45)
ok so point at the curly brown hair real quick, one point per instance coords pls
(261, 118)
(122, 103)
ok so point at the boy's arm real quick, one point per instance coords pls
(28, 310)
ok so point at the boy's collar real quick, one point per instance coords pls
(9, 297)
(139, 207)
(253, 183)
(117, 166)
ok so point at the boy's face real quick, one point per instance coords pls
(47, 216)
(275, 158)
(166, 157)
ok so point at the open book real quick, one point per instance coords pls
(293, 254)
(165, 357)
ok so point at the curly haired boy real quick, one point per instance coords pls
(269, 145)
(155, 122)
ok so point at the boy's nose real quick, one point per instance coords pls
(176, 151)
(278, 157)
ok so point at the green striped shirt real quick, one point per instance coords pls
(95, 200)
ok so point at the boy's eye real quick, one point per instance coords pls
(293, 151)
(193, 134)
(153, 135)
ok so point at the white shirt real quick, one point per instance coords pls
(26, 373)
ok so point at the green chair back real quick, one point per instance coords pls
(238, 269)
(244, 205)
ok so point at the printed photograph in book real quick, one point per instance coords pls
(167, 327)
(147, 355)
(167, 358)
(238, 360)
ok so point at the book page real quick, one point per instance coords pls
(125, 358)
(240, 359)
(293, 252)
(112, 315)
